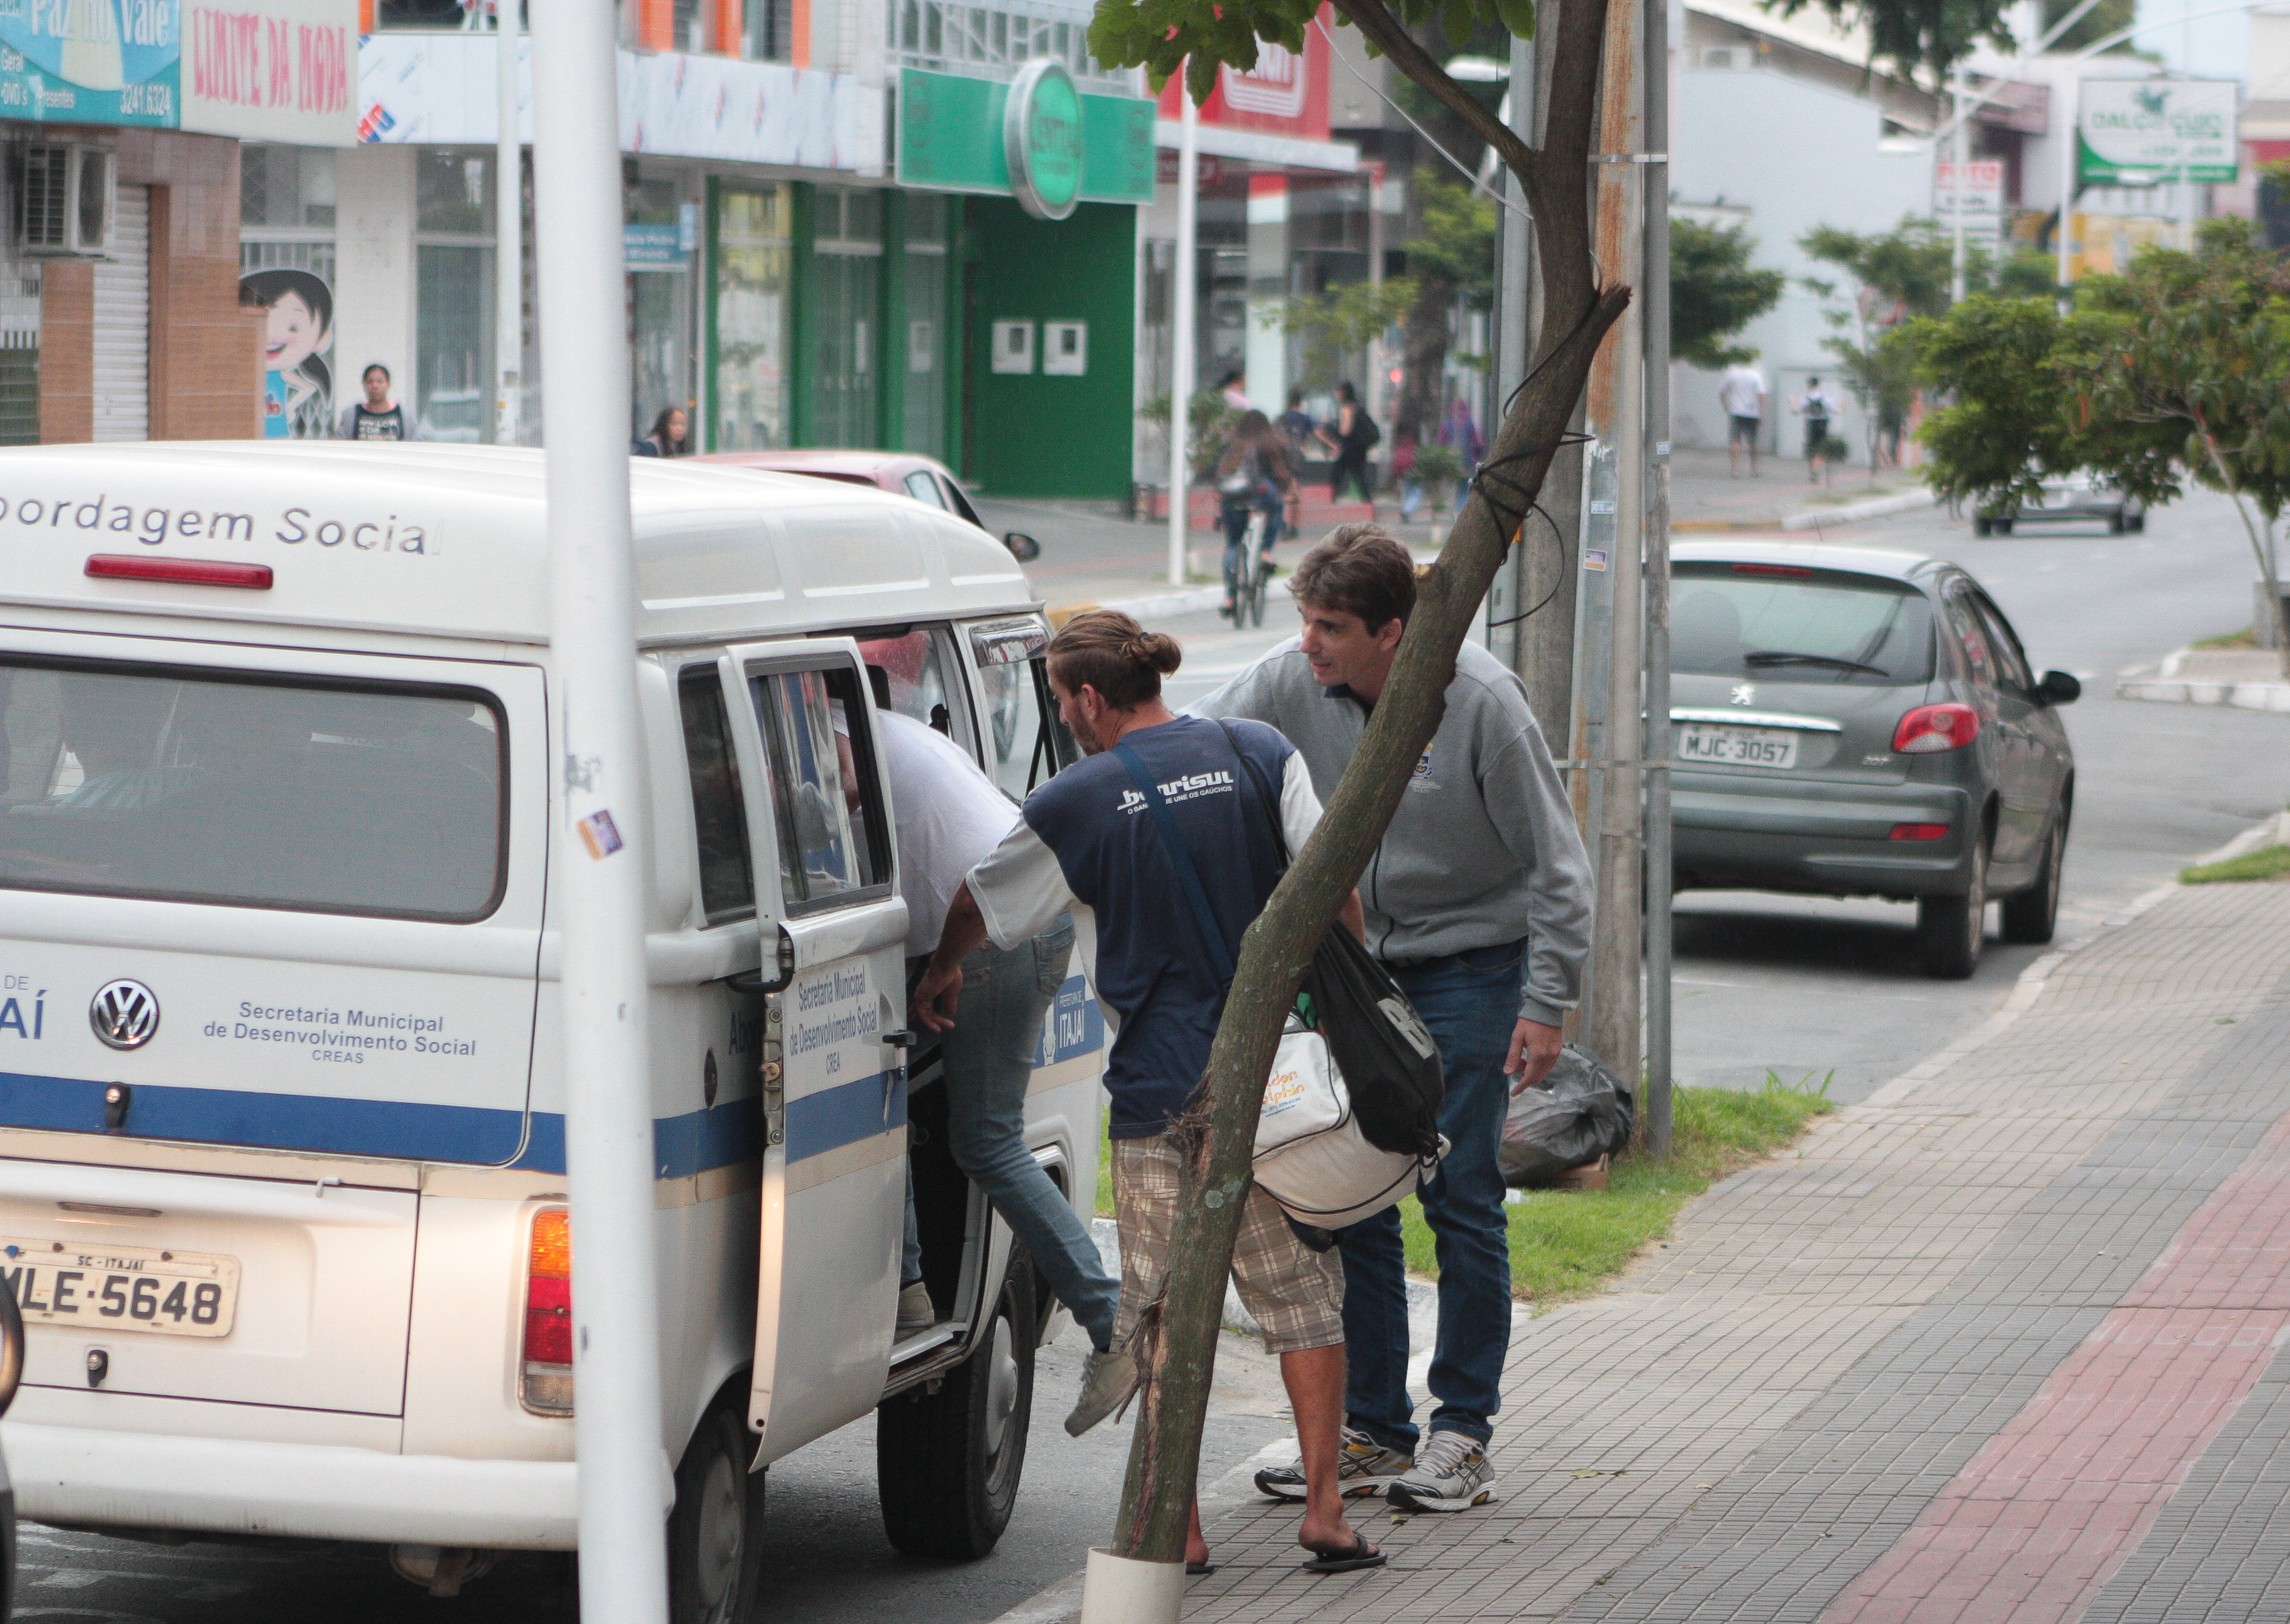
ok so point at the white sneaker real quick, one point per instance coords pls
(1108, 1378)
(1363, 1468)
(1450, 1474)
(916, 1314)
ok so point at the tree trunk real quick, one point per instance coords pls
(1423, 360)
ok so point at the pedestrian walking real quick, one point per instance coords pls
(667, 438)
(1233, 388)
(1816, 406)
(1741, 391)
(1296, 426)
(950, 816)
(1478, 900)
(1353, 435)
(377, 417)
(1086, 843)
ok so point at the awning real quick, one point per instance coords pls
(1340, 157)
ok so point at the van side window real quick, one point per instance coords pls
(719, 816)
(914, 667)
(1030, 743)
(833, 841)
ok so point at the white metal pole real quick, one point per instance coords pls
(508, 233)
(626, 1485)
(2070, 137)
(1956, 198)
(1182, 276)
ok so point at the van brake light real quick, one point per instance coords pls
(191, 571)
(1930, 729)
(548, 1362)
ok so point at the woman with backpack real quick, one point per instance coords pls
(1254, 475)
(1356, 433)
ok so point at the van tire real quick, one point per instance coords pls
(947, 1464)
(714, 1544)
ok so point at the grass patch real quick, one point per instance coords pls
(2245, 639)
(2266, 863)
(1568, 1242)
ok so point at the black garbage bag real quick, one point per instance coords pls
(1580, 1113)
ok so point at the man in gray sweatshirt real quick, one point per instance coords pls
(1478, 899)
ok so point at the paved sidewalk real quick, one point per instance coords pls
(2001, 1342)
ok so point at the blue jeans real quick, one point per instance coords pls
(1469, 1001)
(989, 1059)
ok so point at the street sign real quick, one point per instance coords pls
(1041, 139)
(2147, 131)
(1981, 196)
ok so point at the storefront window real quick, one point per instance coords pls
(454, 316)
(753, 242)
(660, 311)
(846, 273)
(286, 188)
(925, 351)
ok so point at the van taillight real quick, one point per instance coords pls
(549, 1314)
(189, 571)
(1929, 729)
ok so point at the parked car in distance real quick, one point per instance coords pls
(1848, 722)
(902, 473)
(2069, 498)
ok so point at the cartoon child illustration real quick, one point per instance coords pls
(298, 388)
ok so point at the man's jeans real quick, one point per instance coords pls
(988, 1059)
(1469, 1001)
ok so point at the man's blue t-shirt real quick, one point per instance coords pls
(1153, 971)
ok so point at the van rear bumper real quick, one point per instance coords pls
(305, 1491)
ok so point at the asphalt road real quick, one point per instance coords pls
(1801, 988)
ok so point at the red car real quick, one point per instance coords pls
(901, 473)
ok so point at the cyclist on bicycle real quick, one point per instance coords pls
(1254, 476)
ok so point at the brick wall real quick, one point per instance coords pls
(67, 352)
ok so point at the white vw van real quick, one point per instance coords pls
(282, 1191)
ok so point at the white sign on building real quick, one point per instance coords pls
(2146, 132)
(1980, 194)
(272, 71)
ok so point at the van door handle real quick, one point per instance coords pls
(899, 1040)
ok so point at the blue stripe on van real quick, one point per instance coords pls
(682, 1145)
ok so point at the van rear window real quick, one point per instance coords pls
(198, 786)
(1798, 625)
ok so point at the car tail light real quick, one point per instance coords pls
(192, 572)
(1920, 831)
(549, 1314)
(1930, 729)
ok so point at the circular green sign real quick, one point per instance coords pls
(1041, 139)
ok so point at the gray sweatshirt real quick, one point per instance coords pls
(1483, 850)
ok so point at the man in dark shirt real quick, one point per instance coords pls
(377, 417)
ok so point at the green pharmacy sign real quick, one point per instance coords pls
(2149, 131)
(90, 61)
(1037, 139)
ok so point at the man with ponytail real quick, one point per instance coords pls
(1088, 840)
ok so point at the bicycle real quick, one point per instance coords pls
(1245, 571)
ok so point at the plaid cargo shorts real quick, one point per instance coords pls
(1296, 1295)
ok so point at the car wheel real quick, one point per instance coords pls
(1951, 931)
(2003, 527)
(1981, 527)
(2033, 915)
(2138, 523)
(947, 1464)
(2117, 524)
(714, 1556)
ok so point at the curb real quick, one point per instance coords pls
(1874, 508)
(2241, 696)
(1193, 600)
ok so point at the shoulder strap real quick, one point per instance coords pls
(1181, 859)
(1265, 797)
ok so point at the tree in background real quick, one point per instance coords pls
(2177, 371)
(2107, 17)
(1341, 322)
(1897, 274)
(1452, 257)
(1715, 291)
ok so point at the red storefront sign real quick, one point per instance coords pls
(1286, 93)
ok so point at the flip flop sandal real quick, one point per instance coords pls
(1347, 1561)
(1199, 1570)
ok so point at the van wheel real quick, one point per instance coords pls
(2003, 527)
(2117, 524)
(1979, 527)
(947, 1464)
(1951, 931)
(715, 1551)
(2033, 915)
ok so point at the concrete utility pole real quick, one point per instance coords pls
(1608, 730)
(626, 1484)
(509, 233)
(1514, 326)
(1653, 304)
(1955, 196)
(1182, 276)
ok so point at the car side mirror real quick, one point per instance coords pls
(1025, 549)
(2058, 688)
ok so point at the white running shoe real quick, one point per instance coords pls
(916, 1314)
(1450, 1474)
(1108, 1380)
(1363, 1468)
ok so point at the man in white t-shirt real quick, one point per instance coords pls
(1741, 391)
(950, 817)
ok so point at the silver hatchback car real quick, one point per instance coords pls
(1849, 722)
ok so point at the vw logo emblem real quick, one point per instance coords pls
(124, 1014)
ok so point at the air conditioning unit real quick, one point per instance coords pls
(1731, 59)
(63, 200)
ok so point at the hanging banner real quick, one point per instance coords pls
(2148, 131)
(90, 61)
(272, 71)
(952, 136)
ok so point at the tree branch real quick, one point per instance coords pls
(1371, 18)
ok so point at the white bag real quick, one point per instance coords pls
(1310, 1156)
